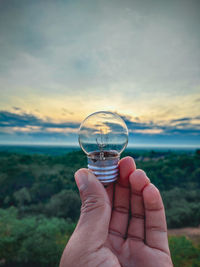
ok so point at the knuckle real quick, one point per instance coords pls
(139, 172)
(91, 203)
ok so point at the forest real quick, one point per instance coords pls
(40, 204)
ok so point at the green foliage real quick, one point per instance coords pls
(32, 241)
(65, 204)
(22, 197)
(183, 252)
(44, 184)
(182, 207)
(33, 182)
(41, 204)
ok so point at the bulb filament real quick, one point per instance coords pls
(101, 144)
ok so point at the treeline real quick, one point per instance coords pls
(37, 241)
(39, 184)
(32, 240)
(42, 184)
(40, 204)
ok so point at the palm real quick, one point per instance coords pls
(137, 254)
(123, 226)
(137, 233)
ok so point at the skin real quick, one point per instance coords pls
(123, 225)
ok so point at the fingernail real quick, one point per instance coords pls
(81, 178)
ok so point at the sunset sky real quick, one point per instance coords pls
(62, 60)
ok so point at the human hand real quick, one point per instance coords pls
(123, 225)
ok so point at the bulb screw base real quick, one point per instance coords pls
(104, 168)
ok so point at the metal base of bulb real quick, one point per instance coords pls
(105, 167)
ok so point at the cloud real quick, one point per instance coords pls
(25, 122)
(17, 108)
(66, 111)
(12, 120)
(147, 131)
(181, 126)
(25, 127)
(181, 119)
(67, 46)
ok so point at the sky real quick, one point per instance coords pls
(63, 60)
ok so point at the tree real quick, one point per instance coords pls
(22, 197)
(32, 241)
(65, 204)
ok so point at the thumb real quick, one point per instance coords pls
(95, 210)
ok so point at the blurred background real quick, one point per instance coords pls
(63, 60)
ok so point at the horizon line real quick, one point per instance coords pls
(129, 145)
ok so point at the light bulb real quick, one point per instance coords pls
(103, 136)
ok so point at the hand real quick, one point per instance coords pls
(122, 225)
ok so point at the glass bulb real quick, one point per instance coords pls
(103, 136)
